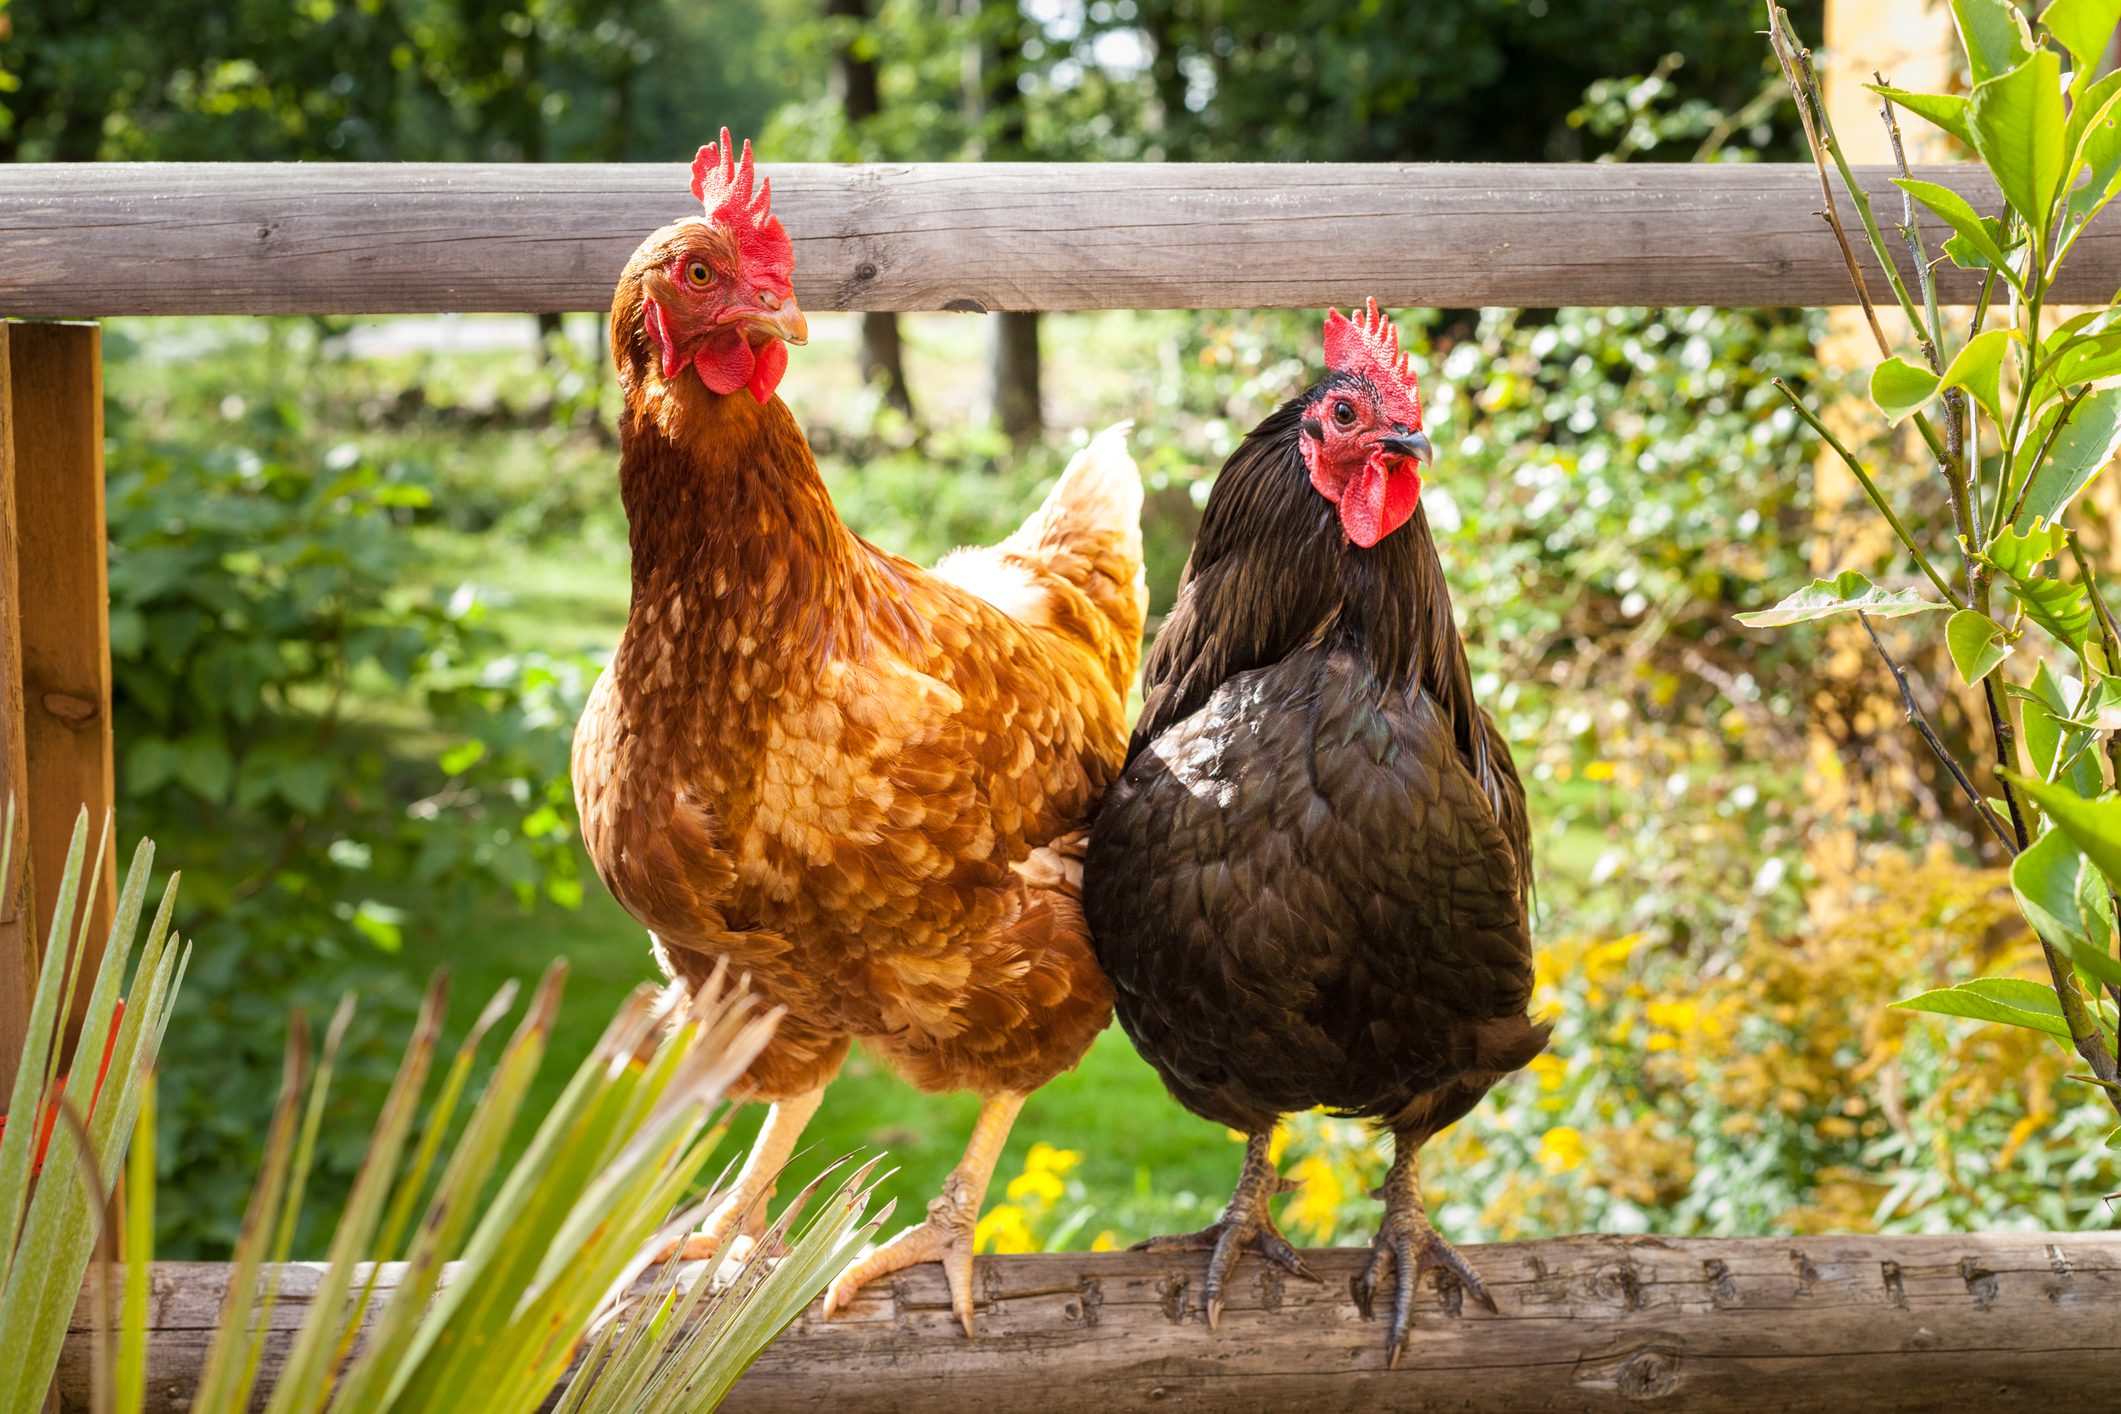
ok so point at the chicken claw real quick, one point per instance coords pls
(1246, 1223)
(947, 1235)
(1406, 1244)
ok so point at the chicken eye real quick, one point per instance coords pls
(698, 274)
(1343, 413)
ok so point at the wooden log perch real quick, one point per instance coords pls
(1996, 1321)
(90, 240)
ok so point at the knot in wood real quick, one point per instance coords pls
(1647, 1374)
(1619, 1283)
(72, 710)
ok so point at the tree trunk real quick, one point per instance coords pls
(1016, 391)
(998, 59)
(854, 84)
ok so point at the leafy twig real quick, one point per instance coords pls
(1870, 489)
(1921, 721)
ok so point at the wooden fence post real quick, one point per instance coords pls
(62, 594)
(18, 951)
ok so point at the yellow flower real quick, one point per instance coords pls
(1038, 1183)
(1003, 1229)
(1105, 1241)
(1044, 1158)
(1551, 1070)
(1562, 1149)
(1316, 1208)
(1598, 771)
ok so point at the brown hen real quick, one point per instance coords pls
(861, 782)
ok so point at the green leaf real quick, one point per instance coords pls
(1963, 1001)
(1978, 368)
(1846, 593)
(1982, 234)
(1901, 389)
(2055, 604)
(2094, 142)
(2020, 992)
(1948, 111)
(2093, 826)
(1977, 644)
(1995, 34)
(2085, 28)
(2048, 879)
(2081, 450)
(2054, 736)
(1965, 254)
(2019, 130)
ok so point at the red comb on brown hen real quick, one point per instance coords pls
(862, 783)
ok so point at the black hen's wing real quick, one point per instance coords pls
(1304, 895)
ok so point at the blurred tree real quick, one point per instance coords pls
(994, 96)
(1476, 80)
(855, 89)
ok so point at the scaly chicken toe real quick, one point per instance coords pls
(1246, 1224)
(947, 1235)
(1407, 1246)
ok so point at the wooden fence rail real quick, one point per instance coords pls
(1992, 1322)
(92, 240)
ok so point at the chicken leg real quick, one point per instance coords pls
(743, 1212)
(946, 1236)
(1246, 1222)
(1406, 1244)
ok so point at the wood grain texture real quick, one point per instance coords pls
(1998, 1321)
(18, 949)
(63, 572)
(92, 240)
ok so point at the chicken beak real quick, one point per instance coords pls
(1414, 446)
(776, 318)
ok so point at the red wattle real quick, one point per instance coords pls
(772, 360)
(725, 362)
(1378, 499)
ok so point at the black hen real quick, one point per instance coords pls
(1310, 884)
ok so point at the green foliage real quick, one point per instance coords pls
(59, 1160)
(413, 80)
(273, 659)
(541, 1251)
(2056, 158)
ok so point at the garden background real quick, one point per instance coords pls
(363, 572)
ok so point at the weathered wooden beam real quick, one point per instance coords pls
(63, 584)
(91, 240)
(18, 946)
(1997, 1321)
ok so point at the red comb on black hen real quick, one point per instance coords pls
(1310, 884)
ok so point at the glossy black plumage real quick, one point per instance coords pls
(1310, 884)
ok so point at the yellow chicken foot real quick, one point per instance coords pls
(947, 1234)
(743, 1212)
(1406, 1244)
(1246, 1223)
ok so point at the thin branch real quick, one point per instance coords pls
(1911, 232)
(1921, 722)
(1870, 489)
(1812, 118)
